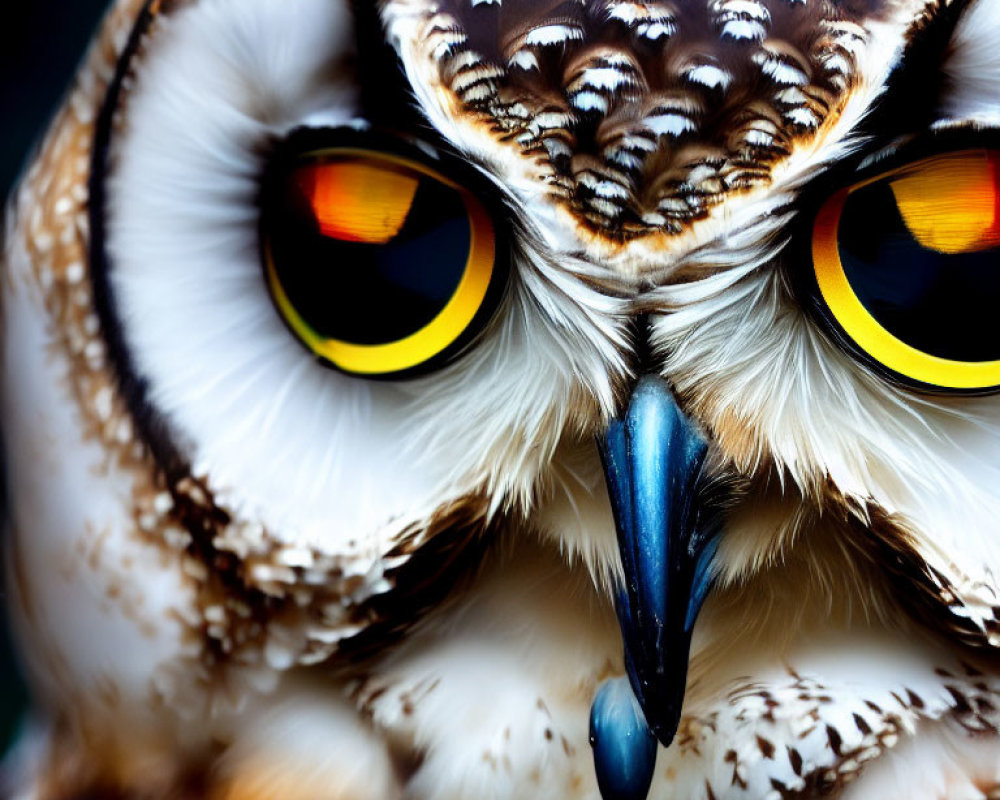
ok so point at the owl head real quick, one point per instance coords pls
(340, 294)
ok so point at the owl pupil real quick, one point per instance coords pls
(360, 265)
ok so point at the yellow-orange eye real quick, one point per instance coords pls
(379, 264)
(907, 265)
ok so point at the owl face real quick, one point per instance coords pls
(728, 258)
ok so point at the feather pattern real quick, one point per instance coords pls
(642, 116)
(418, 576)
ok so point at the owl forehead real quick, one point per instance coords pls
(641, 117)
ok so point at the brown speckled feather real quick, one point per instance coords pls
(647, 114)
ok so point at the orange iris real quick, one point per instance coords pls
(358, 200)
(950, 203)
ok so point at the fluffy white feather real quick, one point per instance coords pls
(320, 458)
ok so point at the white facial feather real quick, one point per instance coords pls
(320, 458)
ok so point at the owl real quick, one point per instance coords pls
(446, 399)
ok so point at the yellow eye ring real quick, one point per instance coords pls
(364, 215)
(870, 335)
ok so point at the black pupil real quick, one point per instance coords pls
(942, 304)
(371, 293)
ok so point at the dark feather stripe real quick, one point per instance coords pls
(928, 595)
(335, 611)
(913, 96)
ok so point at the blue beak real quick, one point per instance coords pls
(667, 534)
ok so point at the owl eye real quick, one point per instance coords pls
(377, 262)
(907, 268)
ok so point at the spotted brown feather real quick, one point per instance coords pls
(643, 116)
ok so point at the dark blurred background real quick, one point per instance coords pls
(40, 45)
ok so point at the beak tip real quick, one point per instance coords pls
(624, 746)
(665, 732)
(662, 710)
